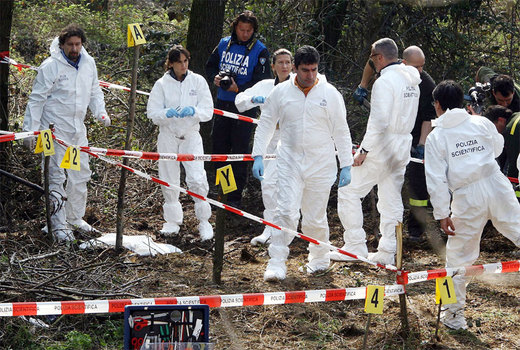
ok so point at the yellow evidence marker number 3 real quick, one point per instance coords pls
(226, 178)
(45, 143)
(135, 35)
(374, 299)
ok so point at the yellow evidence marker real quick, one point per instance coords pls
(45, 143)
(374, 299)
(135, 35)
(445, 291)
(226, 179)
(71, 159)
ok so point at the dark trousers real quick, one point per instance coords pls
(232, 136)
(418, 200)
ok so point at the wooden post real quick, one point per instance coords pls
(220, 231)
(399, 264)
(366, 332)
(46, 189)
(437, 337)
(124, 172)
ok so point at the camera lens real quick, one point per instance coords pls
(225, 82)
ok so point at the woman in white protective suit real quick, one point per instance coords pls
(466, 187)
(255, 97)
(178, 102)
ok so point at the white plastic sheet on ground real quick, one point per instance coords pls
(141, 244)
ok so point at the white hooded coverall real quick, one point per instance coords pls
(394, 103)
(61, 94)
(269, 184)
(459, 159)
(181, 135)
(311, 127)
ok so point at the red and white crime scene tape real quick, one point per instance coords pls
(474, 270)
(9, 136)
(174, 156)
(234, 210)
(230, 300)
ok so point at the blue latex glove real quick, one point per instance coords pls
(418, 152)
(258, 99)
(360, 94)
(344, 176)
(172, 112)
(188, 111)
(258, 168)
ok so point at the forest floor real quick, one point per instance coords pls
(68, 273)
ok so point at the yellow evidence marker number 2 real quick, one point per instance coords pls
(71, 160)
(135, 35)
(226, 178)
(374, 299)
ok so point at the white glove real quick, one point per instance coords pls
(29, 143)
(105, 119)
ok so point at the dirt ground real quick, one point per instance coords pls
(493, 301)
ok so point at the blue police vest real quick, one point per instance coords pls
(235, 59)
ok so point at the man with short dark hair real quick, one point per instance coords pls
(463, 177)
(67, 83)
(383, 154)
(504, 90)
(312, 118)
(247, 60)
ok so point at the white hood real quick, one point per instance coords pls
(451, 118)
(55, 50)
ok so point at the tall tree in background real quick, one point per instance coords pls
(204, 33)
(6, 17)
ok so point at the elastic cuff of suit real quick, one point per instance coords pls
(422, 202)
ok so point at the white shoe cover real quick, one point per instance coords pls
(261, 239)
(63, 235)
(82, 226)
(357, 249)
(315, 266)
(60, 235)
(169, 229)
(454, 319)
(382, 257)
(205, 230)
(275, 270)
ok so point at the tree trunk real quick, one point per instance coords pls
(6, 17)
(204, 33)
(331, 15)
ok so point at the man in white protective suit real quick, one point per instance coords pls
(312, 118)
(382, 156)
(178, 102)
(67, 83)
(460, 166)
(255, 97)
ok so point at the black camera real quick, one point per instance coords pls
(226, 81)
(477, 95)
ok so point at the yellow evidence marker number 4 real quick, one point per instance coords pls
(374, 299)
